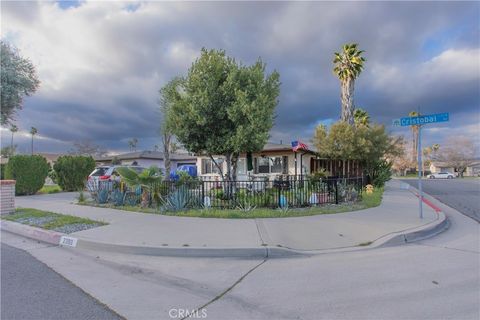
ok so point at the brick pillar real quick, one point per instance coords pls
(7, 196)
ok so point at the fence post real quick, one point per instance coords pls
(336, 191)
(203, 192)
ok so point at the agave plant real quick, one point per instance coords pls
(146, 180)
(245, 206)
(177, 200)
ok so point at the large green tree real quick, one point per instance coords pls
(371, 145)
(225, 108)
(18, 79)
(348, 64)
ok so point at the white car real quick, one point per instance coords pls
(442, 175)
(109, 173)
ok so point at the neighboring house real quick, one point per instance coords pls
(436, 167)
(472, 170)
(50, 157)
(147, 159)
(274, 160)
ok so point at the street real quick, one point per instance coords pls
(461, 194)
(31, 290)
(436, 278)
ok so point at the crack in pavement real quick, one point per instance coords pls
(225, 291)
(449, 248)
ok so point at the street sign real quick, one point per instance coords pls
(419, 121)
(432, 118)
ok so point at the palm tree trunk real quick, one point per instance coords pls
(11, 143)
(32, 144)
(348, 106)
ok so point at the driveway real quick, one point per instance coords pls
(461, 194)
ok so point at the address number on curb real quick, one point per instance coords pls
(68, 241)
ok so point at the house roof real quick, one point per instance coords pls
(156, 155)
(280, 147)
(441, 164)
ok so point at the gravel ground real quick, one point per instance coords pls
(36, 221)
(70, 228)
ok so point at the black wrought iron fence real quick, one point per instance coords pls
(260, 192)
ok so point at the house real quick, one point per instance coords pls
(276, 160)
(147, 159)
(472, 170)
(50, 157)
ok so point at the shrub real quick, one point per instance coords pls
(72, 171)
(28, 171)
(380, 173)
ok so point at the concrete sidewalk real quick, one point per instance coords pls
(397, 214)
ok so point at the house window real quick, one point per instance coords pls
(277, 164)
(241, 166)
(209, 167)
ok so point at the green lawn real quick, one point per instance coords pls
(368, 201)
(51, 220)
(47, 189)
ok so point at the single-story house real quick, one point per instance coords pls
(147, 159)
(50, 157)
(472, 170)
(276, 160)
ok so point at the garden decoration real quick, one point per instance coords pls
(369, 189)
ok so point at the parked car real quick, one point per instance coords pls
(190, 169)
(442, 175)
(109, 173)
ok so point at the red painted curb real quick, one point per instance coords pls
(429, 203)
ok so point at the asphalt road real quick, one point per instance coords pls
(437, 278)
(460, 194)
(31, 290)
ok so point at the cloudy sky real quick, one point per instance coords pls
(101, 63)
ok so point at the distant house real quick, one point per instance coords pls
(276, 160)
(147, 159)
(472, 170)
(50, 157)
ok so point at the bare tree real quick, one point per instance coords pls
(87, 148)
(459, 153)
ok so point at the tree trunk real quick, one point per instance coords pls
(166, 153)
(348, 107)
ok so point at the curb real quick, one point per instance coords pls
(34, 233)
(64, 240)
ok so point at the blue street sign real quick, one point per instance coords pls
(413, 121)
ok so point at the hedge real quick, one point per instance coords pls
(28, 171)
(72, 171)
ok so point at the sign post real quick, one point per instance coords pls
(420, 121)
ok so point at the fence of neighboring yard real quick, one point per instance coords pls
(261, 193)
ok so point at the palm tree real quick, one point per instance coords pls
(13, 129)
(33, 131)
(148, 180)
(132, 144)
(348, 65)
(361, 117)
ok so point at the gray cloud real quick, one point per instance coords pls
(101, 65)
